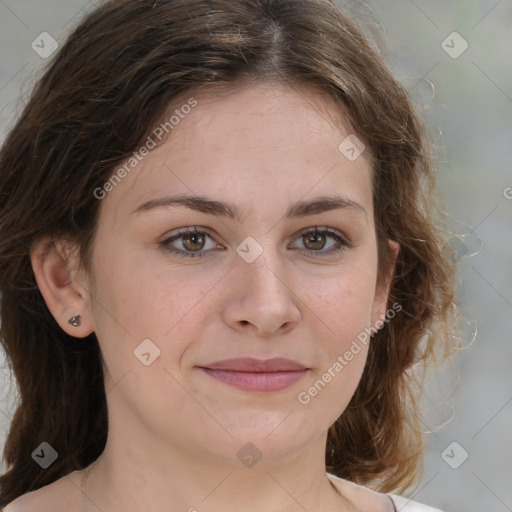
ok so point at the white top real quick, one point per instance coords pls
(406, 505)
(401, 503)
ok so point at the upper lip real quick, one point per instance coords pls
(249, 364)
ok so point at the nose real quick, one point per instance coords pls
(262, 297)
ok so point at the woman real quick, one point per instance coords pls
(219, 268)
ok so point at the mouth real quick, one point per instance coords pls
(251, 374)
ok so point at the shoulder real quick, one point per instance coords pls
(407, 505)
(29, 502)
(364, 497)
(25, 503)
(59, 496)
(373, 499)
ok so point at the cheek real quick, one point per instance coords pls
(327, 394)
(343, 300)
(138, 299)
(342, 309)
(342, 306)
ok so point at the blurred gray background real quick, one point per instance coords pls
(455, 58)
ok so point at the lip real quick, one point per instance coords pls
(250, 364)
(251, 374)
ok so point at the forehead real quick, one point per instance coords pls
(276, 108)
(267, 138)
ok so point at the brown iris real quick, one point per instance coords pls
(193, 241)
(316, 239)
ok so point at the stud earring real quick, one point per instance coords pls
(75, 321)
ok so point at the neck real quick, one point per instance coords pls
(170, 479)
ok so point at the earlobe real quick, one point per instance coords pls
(56, 268)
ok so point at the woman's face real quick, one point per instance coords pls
(258, 284)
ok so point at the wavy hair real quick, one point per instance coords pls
(103, 92)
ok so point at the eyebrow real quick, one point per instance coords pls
(221, 209)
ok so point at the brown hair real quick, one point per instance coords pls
(104, 91)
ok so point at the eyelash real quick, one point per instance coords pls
(344, 244)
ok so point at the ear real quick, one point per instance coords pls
(63, 285)
(382, 288)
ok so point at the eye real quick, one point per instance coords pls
(315, 240)
(194, 242)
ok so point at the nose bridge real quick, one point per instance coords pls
(264, 295)
(265, 272)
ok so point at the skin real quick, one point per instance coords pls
(174, 432)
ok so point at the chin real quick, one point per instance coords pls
(277, 438)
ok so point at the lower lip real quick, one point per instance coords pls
(257, 381)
